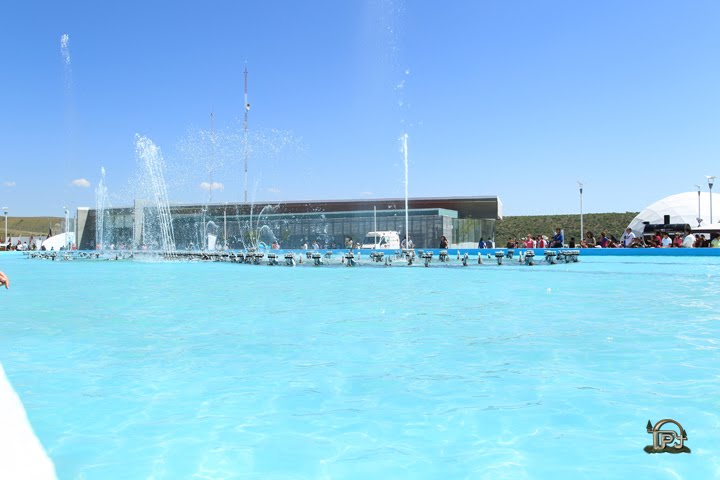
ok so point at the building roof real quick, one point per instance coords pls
(467, 207)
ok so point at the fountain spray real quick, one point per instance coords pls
(407, 220)
(245, 133)
(102, 203)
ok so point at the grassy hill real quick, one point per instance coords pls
(27, 226)
(518, 227)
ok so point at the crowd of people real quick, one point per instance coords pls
(658, 239)
(31, 244)
(557, 240)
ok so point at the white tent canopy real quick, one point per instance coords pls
(56, 242)
(682, 208)
(708, 228)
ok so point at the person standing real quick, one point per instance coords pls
(529, 242)
(444, 242)
(628, 237)
(689, 240)
(558, 239)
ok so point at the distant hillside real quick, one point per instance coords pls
(612, 223)
(27, 226)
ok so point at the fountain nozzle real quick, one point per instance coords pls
(529, 257)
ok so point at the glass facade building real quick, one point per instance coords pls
(463, 220)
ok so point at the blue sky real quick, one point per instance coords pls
(512, 98)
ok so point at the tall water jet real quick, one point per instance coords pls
(246, 152)
(102, 202)
(65, 52)
(211, 230)
(69, 101)
(157, 228)
(407, 219)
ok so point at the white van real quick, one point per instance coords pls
(382, 240)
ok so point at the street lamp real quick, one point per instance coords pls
(5, 210)
(699, 220)
(711, 179)
(580, 185)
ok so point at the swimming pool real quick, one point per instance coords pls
(214, 370)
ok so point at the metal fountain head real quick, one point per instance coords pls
(551, 256)
(317, 259)
(499, 255)
(529, 257)
(409, 256)
(290, 259)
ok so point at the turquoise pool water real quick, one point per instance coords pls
(210, 370)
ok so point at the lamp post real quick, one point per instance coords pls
(710, 179)
(582, 231)
(699, 219)
(5, 210)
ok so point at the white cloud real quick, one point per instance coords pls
(9, 184)
(212, 186)
(366, 194)
(80, 182)
(273, 190)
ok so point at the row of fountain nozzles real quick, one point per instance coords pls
(291, 259)
(551, 256)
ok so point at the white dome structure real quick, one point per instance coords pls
(682, 208)
(61, 240)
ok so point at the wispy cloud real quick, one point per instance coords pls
(366, 194)
(80, 182)
(8, 184)
(212, 186)
(273, 190)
